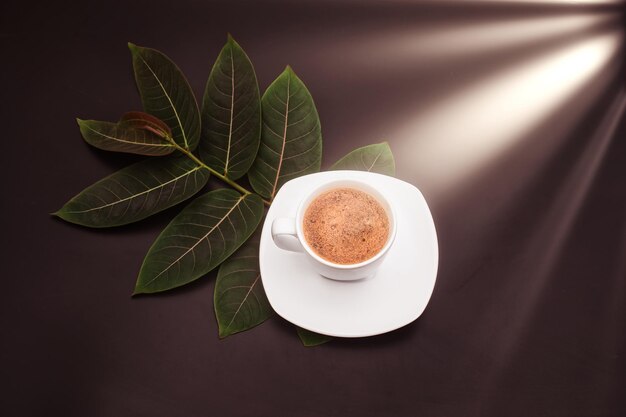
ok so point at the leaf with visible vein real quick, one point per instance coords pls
(310, 338)
(135, 133)
(147, 122)
(202, 236)
(166, 94)
(239, 300)
(373, 158)
(291, 137)
(135, 192)
(231, 114)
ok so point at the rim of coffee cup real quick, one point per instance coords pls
(362, 186)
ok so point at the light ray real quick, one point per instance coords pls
(426, 46)
(449, 142)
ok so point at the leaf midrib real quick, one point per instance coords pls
(375, 160)
(206, 235)
(128, 141)
(149, 190)
(232, 110)
(242, 302)
(182, 129)
(282, 151)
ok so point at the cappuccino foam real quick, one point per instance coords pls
(346, 226)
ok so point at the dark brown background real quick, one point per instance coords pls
(527, 317)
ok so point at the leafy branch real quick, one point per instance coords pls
(270, 139)
(223, 178)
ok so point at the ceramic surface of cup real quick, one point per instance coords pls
(288, 233)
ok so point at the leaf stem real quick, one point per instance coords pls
(228, 181)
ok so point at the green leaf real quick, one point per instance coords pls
(135, 192)
(239, 299)
(135, 133)
(310, 338)
(291, 137)
(201, 237)
(231, 114)
(374, 158)
(166, 94)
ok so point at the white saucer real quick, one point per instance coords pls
(392, 298)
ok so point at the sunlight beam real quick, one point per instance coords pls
(448, 143)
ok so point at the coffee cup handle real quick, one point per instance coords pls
(285, 235)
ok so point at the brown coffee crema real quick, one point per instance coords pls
(345, 226)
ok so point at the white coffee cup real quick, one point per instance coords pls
(288, 234)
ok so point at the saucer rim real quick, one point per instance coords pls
(434, 259)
